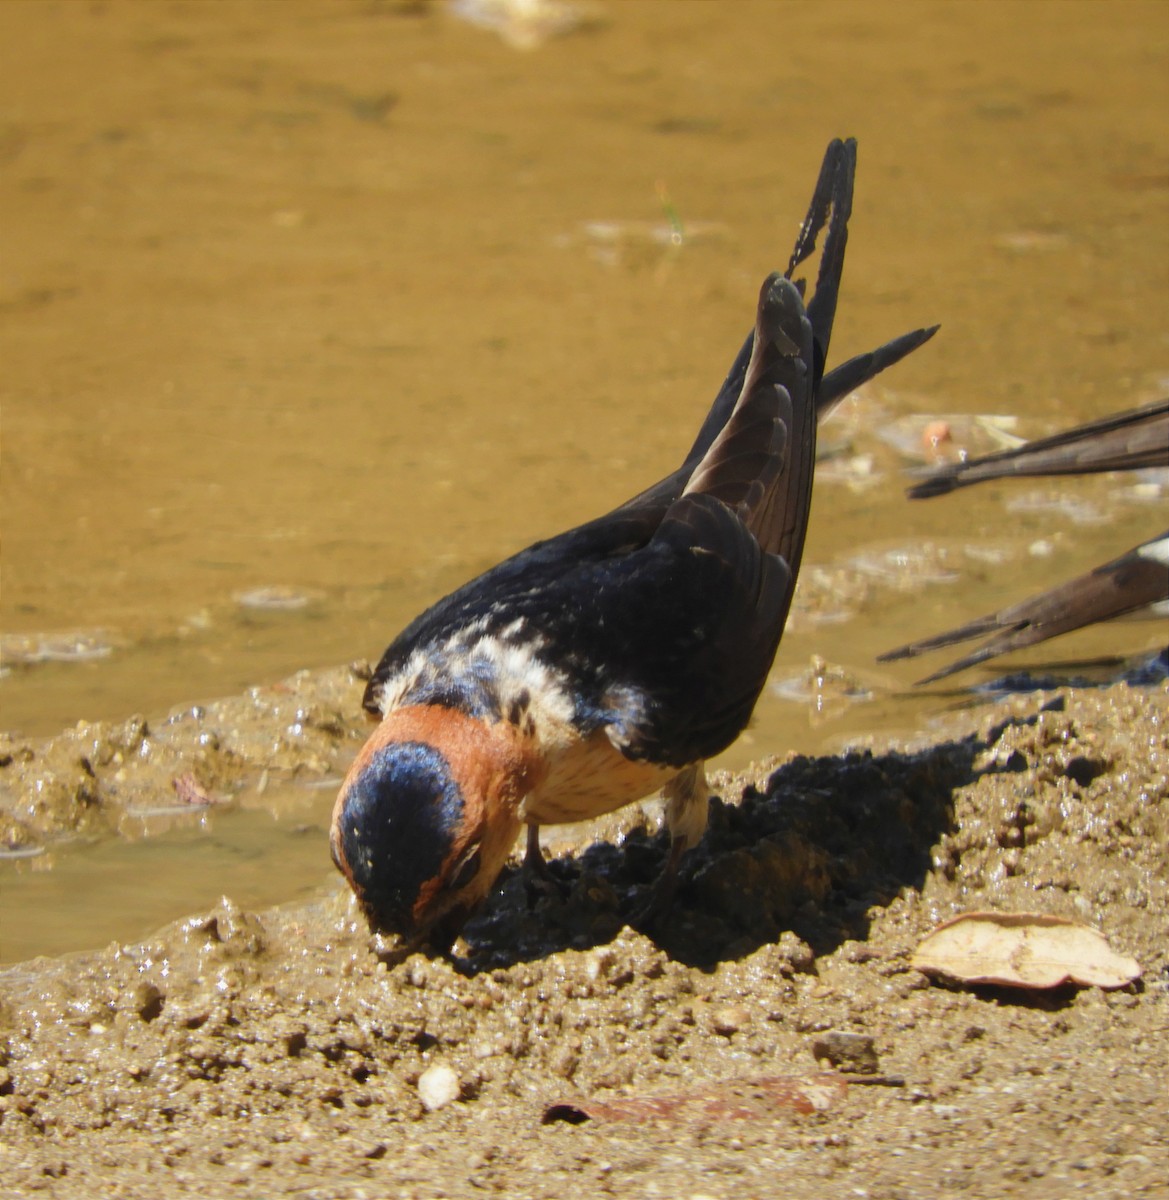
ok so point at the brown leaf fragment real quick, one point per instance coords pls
(1026, 950)
(734, 1100)
(190, 791)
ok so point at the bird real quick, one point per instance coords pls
(602, 665)
(1134, 584)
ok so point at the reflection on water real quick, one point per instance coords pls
(312, 316)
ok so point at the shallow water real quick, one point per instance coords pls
(352, 300)
(78, 895)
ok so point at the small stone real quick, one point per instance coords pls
(148, 1001)
(437, 1087)
(599, 962)
(848, 1051)
(729, 1019)
(798, 955)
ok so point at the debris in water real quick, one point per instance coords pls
(275, 598)
(81, 645)
(523, 24)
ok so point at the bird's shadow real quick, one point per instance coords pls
(817, 848)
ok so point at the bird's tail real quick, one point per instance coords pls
(789, 346)
(1125, 441)
(780, 518)
(729, 457)
(1126, 586)
(832, 206)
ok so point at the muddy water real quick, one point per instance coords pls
(351, 300)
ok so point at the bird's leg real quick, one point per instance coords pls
(687, 798)
(538, 879)
(534, 863)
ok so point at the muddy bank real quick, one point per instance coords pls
(272, 1052)
(100, 775)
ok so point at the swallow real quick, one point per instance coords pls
(1136, 584)
(597, 667)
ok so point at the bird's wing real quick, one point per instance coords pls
(741, 465)
(699, 638)
(669, 614)
(1122, 442)
(779, 515)
(831, 204)
(1126, 585)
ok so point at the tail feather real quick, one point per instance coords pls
(1125, 441)
(1127, 585)
(831, 206)
(781, 514)
(822, 306)
(823, 199)
(849, 376)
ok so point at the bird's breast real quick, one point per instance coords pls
(587, 777)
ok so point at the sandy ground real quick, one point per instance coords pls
(275, 1053)
(248, 233)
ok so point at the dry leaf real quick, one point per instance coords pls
(190, 791)
(736, 1099)
(1031, 950)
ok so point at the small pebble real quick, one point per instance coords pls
(437, 1087)
(729, 1019)
(599, 962)
(849, 1051)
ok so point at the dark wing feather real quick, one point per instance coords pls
(788, 350)
(1126, 585)
(741, 596)
(781, 362)
(743, 463)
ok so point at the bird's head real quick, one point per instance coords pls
(427, 816)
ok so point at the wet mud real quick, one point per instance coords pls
(317, 310)
(769, 1038)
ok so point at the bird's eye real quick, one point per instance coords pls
(466, 868)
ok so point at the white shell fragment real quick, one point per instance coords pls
(438, 1086)
(81, 645)
(275, 597)
(1028, 950)
(523, 24)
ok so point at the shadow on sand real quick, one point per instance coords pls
(823, 843)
